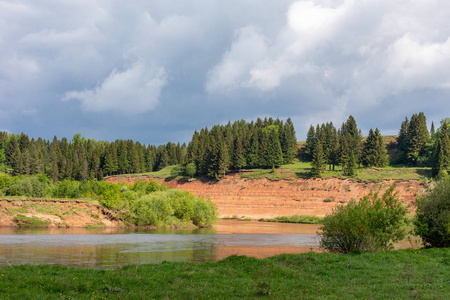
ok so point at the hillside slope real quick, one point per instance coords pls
(262, 198)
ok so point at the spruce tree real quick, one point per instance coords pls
(349, 166)
(289, 145)
(369, 153)
(122, 157)
(238, 154)
(442, 153)
(308, 148)
(382, 158)
(318, 161)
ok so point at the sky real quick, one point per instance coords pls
(154, 71)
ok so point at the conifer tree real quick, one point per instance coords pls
(442, 153)
(318, 161)
(122, 157)
(349, 166)
(110, 161)
(308, 148)
(238, 154)
(253, 151)
(382, 159)
(416, 138)
(289, 145)
(13, 155)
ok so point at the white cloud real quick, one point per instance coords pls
(135, 90)
(248, 48)
(362, 51)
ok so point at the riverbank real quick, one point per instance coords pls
(262, 198)
(401, 274)
(53, 213)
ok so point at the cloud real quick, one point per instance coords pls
(362, 51)
(135, 90)
(248, 48)
(173, 66)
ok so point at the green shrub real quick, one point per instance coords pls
(153, 186)
(371, 224)
(151, 210)
(5, 180)
(110, 196)
(31, 186)
(67, 189)
(183, 204)
(432, 220)
(205, 213)
(189, 170)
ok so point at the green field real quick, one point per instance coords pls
(402, 274)
(302, 170)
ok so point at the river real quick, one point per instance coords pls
(113, 248)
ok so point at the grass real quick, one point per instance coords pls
(300, 169)
(163, 173)
(304, 219)
(402, 274)
(24, 221)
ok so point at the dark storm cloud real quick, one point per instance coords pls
(154, 71)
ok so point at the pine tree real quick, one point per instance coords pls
(289, 145)
(238, 154)
(369, 153)
(253, 151)
(318, 161)
(110, 166)
(13, 155)
(275, 154)
(122, 157)
(308, 148)
(442, 153)
(382, 158)
(416, 138)
(349, 166)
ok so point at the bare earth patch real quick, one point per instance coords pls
(262, 198)
(56, 213)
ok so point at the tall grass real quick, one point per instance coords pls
(402, 274)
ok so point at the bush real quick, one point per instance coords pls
(5, 180)
(31, 186)
(371, 224)
(152, 210)
(67, 189)
(432, 220)
(205, 213)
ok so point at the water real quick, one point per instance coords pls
(110, 248)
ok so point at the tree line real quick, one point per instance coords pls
(415, 146)
(328, 145)
(265, 143)
(262, 144)
(83, 159)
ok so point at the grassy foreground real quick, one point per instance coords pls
(402, 274)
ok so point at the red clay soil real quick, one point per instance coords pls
(55, 213)
(262, 198)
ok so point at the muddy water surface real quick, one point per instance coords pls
(111, 248)
(103, 248)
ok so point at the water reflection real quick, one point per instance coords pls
(112, 247)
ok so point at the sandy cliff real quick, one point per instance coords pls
(262, 198)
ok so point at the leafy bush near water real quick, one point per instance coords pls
(371, 224)
(432, 222)
(142, 203)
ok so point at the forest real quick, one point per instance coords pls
(264, 143)
(415, 146)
